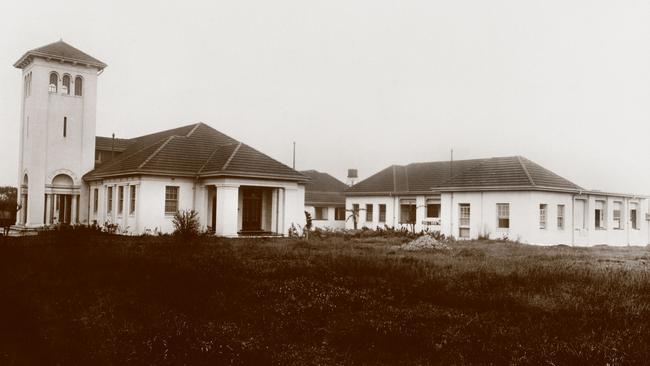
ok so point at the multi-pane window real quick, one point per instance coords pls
(120, 200)
(599, 215)
(503, 215)
(382, 212)
(433, 209)
(132, 198)
(109, 199)
(407, 211)
(65, 88)
(463, 220)
(560, 217)
(542, 215)
(616, 215)
(171, 200)
(633, 215)
(339, 214)
(78, 86)
(95, 200)
(54, 83)
(320, 213)
(369, 209)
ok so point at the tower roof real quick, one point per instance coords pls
(60, 51)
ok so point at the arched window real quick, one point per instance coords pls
(78, 86)
(54, 82)
(66, 84)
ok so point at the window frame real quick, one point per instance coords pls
(503, 215)
(78, 80)
(95, 200)
(65, 89)
(109, 200)
(132, 199)
(561, 213)
(120, 200)
(617, 215)
(53, 88)
(434, 205)
(175, 200)
(320, 213)
(382, 212)
(543, 216)
(634, 219)
(600, 216)
(337, 214)
(411, 210)
(369, 212)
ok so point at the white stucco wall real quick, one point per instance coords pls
(328, 223)
(43, 148)
(524, 207)
(422, 223)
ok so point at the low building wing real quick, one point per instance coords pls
(323, 189)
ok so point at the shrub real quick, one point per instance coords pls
(186, 223)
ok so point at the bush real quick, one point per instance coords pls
(186, 223)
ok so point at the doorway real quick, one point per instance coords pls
(63, 208)
(251, 209)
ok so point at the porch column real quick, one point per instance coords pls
(48, 209)
(19, 215)
(73, 211)
(227, 209)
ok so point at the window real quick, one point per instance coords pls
(382, 213)
(109, 200)
(407, 211)
(78, 86)
(65, 88)
(54, 82)
(65, 126)
(369, 209)
(599, 215)
(633, 215)
(171, 200)
(339, 214)
(542, 216)
(132, 198)
(433, 208)
(120, 200)
(320, 213)
(616, 215)
(560, 217)
(95, 200)
(503, 215)
(463, 220)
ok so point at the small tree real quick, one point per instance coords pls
(8, 207)
(186, 223)
(308, 224)
(354, 215)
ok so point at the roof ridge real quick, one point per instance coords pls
(523, 166)
(156, 152)
(193, 129)
(209, 158)
(124, 157)
(231, 156)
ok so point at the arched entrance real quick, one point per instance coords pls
(61, 201)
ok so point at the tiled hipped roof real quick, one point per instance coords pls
(59, 51)
(501, 173)
(195, 150)
(323, 189)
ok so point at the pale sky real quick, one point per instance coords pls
(364, 84)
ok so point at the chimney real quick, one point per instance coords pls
(352, 176)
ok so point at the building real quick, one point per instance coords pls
(506, 197)
(69, 175)
(325, 200)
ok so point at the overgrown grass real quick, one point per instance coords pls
(154, 300)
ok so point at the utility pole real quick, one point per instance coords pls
(451, 164)
(294, 155)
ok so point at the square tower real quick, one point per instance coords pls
(57, 134)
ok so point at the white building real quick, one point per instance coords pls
(509, 197)
(68, 175)
(325, 200)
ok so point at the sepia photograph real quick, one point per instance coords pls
(302, 182)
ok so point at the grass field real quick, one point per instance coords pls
(155, 300)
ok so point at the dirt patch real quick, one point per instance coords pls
(423, 243)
